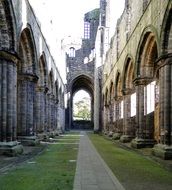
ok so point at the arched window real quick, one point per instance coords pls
(86, 30)
(72, 52)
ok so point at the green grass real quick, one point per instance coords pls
(51, 170)
(134, 171)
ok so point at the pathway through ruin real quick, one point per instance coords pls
(92, 173)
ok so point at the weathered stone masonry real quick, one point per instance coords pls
(138, 65)
(31, 89)
(80, 65)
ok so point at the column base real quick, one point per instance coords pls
(126, 138)
(142, 143)
(12, 148)
(163, 151)
(116, 136)
(29, 140)
(42, 136)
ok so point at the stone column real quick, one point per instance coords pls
(26, 111)
(128, 126)
(143, 134)
(41, 111)
(8, 124)
(53, 112)
(49, 112)
(164, 149)
(46, 110)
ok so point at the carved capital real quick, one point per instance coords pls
(12, 57)
(142, 81)
(28, 77)
(163, 60)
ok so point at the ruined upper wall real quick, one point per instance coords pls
(129, 32)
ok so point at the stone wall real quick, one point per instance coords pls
(31, 88)
(139, 62)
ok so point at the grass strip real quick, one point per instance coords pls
(52, 170)
(134, 171)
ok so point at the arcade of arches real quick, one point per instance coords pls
(31, 89)
(137, 87)
(130, 84)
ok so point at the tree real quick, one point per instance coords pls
(82, 109)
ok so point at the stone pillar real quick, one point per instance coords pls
(49, 112)
(8, 94)
(53, 113)
(26, 109)
(41, 111)
(164, 149)
(128, 126)
(143, 134)
(46, 110)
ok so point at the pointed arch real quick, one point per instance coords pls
(128, 74)
(42, 71)
(8, 26)
(27, 52)
(111, 91)
(147, 54)
(51, 81)
(166, 31)
(118, 85)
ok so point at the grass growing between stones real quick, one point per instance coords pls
(134, 171)
(54, 169)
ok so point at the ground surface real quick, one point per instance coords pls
(52, 165)
(52, 169)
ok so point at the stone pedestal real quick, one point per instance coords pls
(142, 143)
(116, 136)
(29, 140)
(163, 151)
(12, 148)
(126, 138)
(42, 136)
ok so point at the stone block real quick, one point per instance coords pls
(126, 138)
(29, 140)
(163, 151)
(13, 148)
(116, 136)
(142, 143)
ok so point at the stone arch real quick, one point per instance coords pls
(26, 84)
(149, 41)
(81, 82)
(41, 95)
(57, 90)
(106, 98)
(118, 85)
(8, 73)
(111, 101)
(51, 82)
(129, 98)
(42, 70)
(147, 116)
(27, 52)
(118, 105)
(112, 91)
(8, 26)
(166, 32)
(128, 74)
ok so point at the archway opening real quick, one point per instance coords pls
(81, 106)
(82, 100)
(82, 110)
